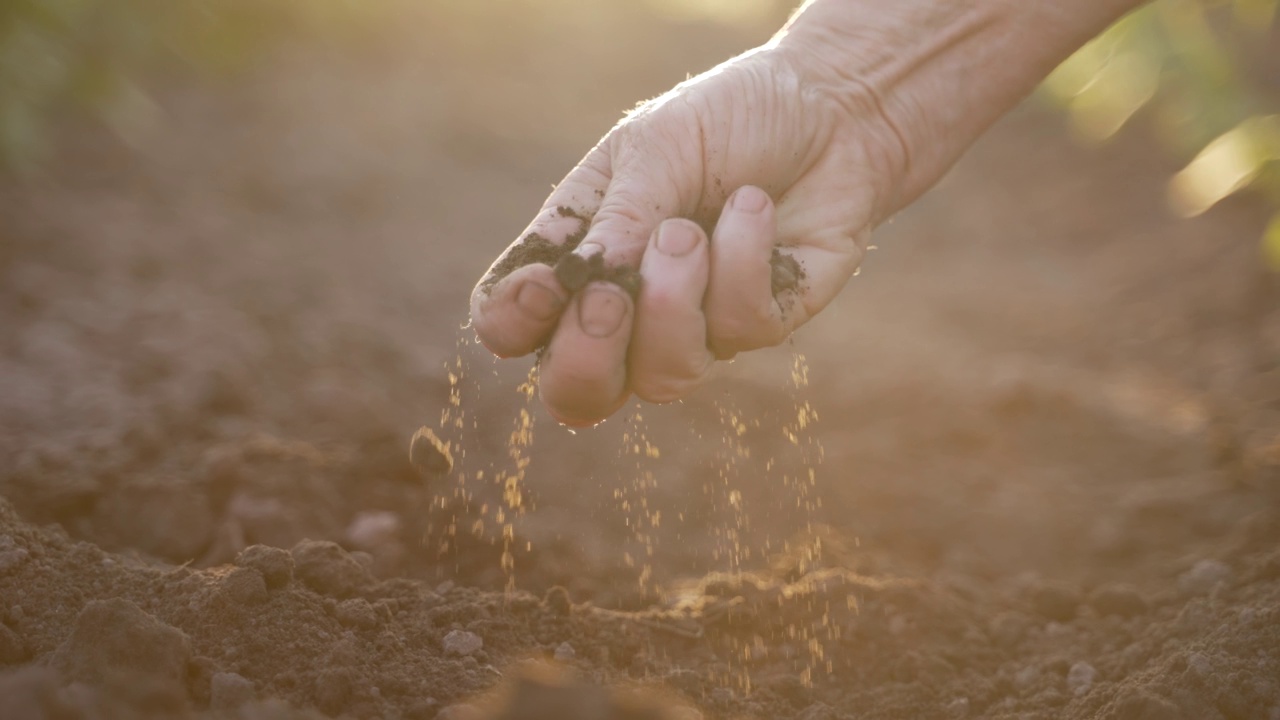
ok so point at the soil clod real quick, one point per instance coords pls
(461, 642)
(574, 273)
(557, 601)
(114, 637)
(429, 455)
(275, 564)
(787, 272)
(328, 569)
(536, 248)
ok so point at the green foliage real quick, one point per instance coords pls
(1200, 70)
(97, 56)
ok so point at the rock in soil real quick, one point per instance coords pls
(275, 564)
(115, 637)
(328, 569)
(461, 642)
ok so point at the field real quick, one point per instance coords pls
(1026, 466)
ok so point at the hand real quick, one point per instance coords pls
(788, 177)
(791, 154)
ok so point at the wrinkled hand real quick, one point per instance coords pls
(778, 167)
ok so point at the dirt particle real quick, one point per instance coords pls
(557, 601)
(228, 691)
(326, 568)
(356, 613)
(462, 642)
(275, 564)
(430, 456)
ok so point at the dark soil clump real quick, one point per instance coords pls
(536, 248)
(787, 272)
(574, 272)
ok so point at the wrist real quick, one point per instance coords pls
(932, 75)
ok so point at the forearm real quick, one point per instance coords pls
(937, 72)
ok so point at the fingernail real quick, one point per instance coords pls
(601, 312)
(538, 300)
(676, 238)
(589, 249)
(749, 199)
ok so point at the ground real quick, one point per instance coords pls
(1026, 466)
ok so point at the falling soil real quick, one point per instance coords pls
(1047, 483)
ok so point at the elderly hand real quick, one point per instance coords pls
(788, 156)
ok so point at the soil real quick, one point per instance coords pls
(1026, 466)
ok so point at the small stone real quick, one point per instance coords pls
(565, 652)
(1055, 602)
(116, 636)
(228, 691)
(1080, 678)
(724, 696)
(275, 564)
(328, 569)
(462, 642)
(557, 601)
(244, 586)
(1203, 577)
(430, 457)
(1118, 599)
(357, 613)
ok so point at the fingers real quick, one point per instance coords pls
(517, 314)
(742, 312)
(669, 356)
(516, 305)
(583, 378)
(642, 192)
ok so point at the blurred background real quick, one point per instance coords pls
(239, 237)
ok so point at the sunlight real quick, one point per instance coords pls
(728, 12)
(1226, 165)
